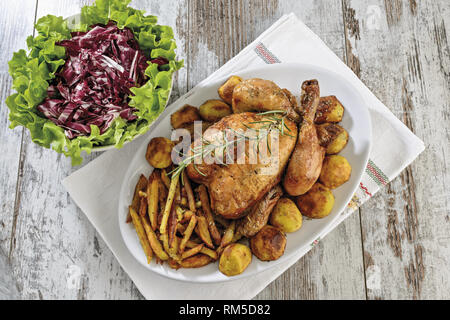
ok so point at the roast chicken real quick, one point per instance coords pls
(246, 190)
(235, 187)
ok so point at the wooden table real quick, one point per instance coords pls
(396, 247)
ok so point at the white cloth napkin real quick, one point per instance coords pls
(95, 187)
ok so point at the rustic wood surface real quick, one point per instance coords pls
(396, 247)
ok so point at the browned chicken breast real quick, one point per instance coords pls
(259, 214)
(260, 95)
(235, 187)
(306, 161)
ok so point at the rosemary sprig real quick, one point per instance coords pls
(276, 122)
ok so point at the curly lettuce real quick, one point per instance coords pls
(33, 71)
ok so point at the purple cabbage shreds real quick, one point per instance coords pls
(93, 86)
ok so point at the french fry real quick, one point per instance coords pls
(141, 234)
(188, 232)
(180, 213)
(187, 216)
(143, 194)
(173, 264)
(204, 198)
(209, 252)
(227, 236)
(172, 252)
(143, 207)
(203, 232)
(165, 178)
(189, 192)
(181, 228)
(169, 202)
(141, 185)
(197, 261)
(152, 198)
(189, 253)
(172, 226)
(153, 240)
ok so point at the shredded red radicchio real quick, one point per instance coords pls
(93, 86)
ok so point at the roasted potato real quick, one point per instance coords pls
(317, 202)
(226, 90)
(286, 216)
(190, 127)
(327, 132)
(330, 109)
(335, 171)
(268, 244)
(214, 110)
(235, 259)
(338, 143)
(159, 152)
(184, 115)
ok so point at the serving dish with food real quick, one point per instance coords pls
(195, 208)
(97, 83)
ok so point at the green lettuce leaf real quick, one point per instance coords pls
(33, 70)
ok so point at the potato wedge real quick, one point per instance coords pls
(184, 115)
(203, 231)
(153, 240)
(141, 234)
(197, 261)
(214, 110)
(330, 109)
(226, 90)
(159, 152)
(141, 185)
(204, 198)
(188, 232)
(153, 198)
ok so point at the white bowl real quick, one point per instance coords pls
(356, 121)
(73, 21)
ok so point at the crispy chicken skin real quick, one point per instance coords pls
(306, 161)
(235, 187)
(260, 95)
(259, 214)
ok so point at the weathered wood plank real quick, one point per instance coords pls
(401, 50)
(12, 38)
(333, 269)
(57, 252)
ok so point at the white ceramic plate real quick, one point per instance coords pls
(356, 121)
